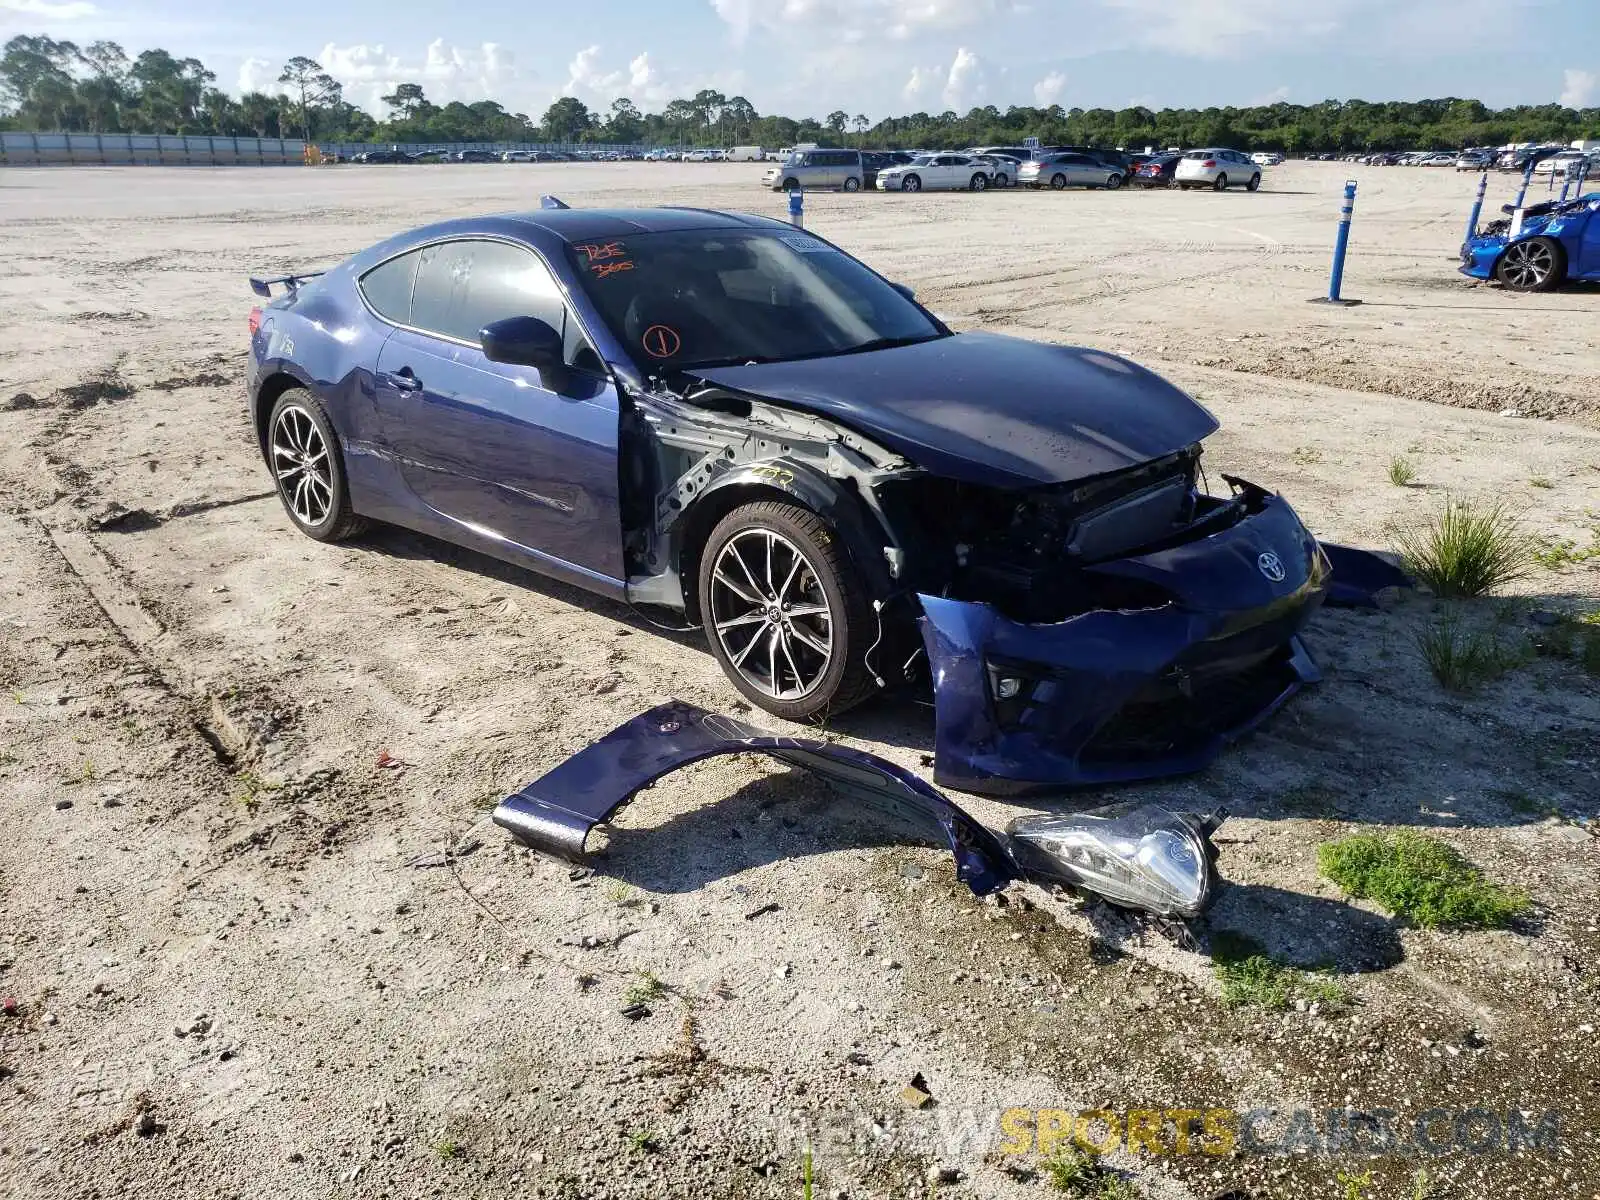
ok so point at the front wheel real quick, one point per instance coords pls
(911, 183)
(1255, 182)
(785, 614)
(1057, 182)
(1000, 181)
(303, 452)
(791, 185)
(1535, 265)
(852, 184)
(978, 183)
(1221, 184)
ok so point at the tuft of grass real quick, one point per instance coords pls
(1251, 978)
(1306, 456)
(1554, 553)
(805, 1172)
(1421, 1184)
(644, 989)
(644, 1141)
(449, 1149)
(1420, 878)
(1402, 471)
(1540, 481)
(1355, 1186)
(1072, 1172)
(1574, 639)
(250, 790)
(622, 895)
(1466, 549)
(1461, 659)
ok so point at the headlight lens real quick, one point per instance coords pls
(1138, 856)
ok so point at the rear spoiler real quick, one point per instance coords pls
(263, 287)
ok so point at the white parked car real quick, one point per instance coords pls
(1217, 168)
(1002, 168)
(1266, 158)
(1559, 163)
(943, 172)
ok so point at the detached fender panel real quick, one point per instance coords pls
(556, 812)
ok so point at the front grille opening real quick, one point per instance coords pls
(1180, 714)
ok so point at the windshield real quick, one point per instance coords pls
(724, 296)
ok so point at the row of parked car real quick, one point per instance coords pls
(1484, 158)
(985, 167)
(489, 156)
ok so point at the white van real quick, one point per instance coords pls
(745, 154)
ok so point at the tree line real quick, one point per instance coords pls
(48, 85)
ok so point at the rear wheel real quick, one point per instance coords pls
(785, 613)
(1057, 182)
(1255, 182)
(1535, 265)
(1221, 184)
(852, 184)
(978, 182)
(1000, 180)
(307, 469)
(1113, 182)
(911, 183)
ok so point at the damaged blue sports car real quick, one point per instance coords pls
(1557, 242)
(725, 417)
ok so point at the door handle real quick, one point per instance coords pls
(403, 380)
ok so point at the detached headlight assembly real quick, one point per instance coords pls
(1137, 856)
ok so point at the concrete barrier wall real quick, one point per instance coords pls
(147, 149)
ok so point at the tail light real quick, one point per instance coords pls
(1210, 162)
(255, 321)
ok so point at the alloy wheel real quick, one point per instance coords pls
(770, 614)
(300, 462)
(1528, 264)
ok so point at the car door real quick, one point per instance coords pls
(498, 450)
(1588, 264)
(946, 169)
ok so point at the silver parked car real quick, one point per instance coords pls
(1217, 168)
(814, 169)
(1068, 169)
(1002, 169)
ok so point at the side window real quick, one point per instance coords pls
(463, 286)
(388, 287)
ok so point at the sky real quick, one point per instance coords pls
(877, 57)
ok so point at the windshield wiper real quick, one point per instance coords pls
(889, 343)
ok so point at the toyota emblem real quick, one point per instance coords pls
(1271, 566)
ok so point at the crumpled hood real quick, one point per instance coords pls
(987, 409)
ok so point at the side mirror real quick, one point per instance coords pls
(904, 290)
(522, 341)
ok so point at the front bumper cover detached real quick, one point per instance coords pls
(1113, 695)
(1137, 856)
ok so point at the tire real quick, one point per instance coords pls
(852, 184)
(1113, 182)
(308, 468)
(978, 183)
(1000, 181)
(1058, 182)
(1221, 184)
(791, 185)
(785, 674)
(1535, 265)
(1255, 182)
(911, 183)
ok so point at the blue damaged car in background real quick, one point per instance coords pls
(733, 420)
(1558, 242)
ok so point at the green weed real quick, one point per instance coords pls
(1461, 659)
(644, 989)
(1420, 878)
(1402, 471)
(1072, 1172)
(1466, 549)
(1251, 978)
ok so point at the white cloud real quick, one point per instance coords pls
(854, 20)
(641, 75)
(49, 10)
(1049, 89)
(1581, 88)
(484, 72)
(922, 83)
(967, 84)
(258, 75)
(583, 76)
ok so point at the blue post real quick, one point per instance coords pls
(797, 208)
(1336, 279)
(1477, 206)
(1522, 193)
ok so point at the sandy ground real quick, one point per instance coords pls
(242, 967)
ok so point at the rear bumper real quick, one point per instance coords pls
(1114, 695)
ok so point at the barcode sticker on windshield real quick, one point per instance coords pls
(805, 245)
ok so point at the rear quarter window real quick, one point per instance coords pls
(387, 287)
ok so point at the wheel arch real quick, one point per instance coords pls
(271, 388)
(786, 481)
